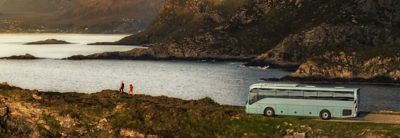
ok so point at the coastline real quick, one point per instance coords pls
(149, 53)
(320, 80)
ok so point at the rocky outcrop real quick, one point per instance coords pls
(343, 65)
(107, 114)
(297, 48)
(361, 22)
(48, 41)
(22, 57)
(372, 25)
(161, 52)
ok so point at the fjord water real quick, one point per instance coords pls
(225, 82)
(14, 44)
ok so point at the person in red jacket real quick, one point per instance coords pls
(131, 89)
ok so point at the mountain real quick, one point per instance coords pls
(82, 16)
(329, 39)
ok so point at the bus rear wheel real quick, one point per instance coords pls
(325, 115)
(269, 112)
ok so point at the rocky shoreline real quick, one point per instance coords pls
(32, 113)
(322, 80)
(20, 57)
(159, 52)
(156, 53)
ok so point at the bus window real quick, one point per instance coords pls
(259, 94)
(310, 94)
(327, 95)
(294, 93)
(253, 96)
(265, 93)
(344, 96)
(282, 93)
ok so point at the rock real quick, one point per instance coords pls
(21, 57)
(298, 47)
(287, 136)
(3, 111)
(131, 134)
(36, 97)
(299, 135)
(48, 41)
(334, 65)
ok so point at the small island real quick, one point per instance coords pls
(22, 57)
(48, 41)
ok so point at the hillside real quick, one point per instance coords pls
(80, 16)
(31, 113)
(276, 32)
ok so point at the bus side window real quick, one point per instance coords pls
(325, 95)
(282, 93)
(295, 93)
(267, 93)
(344, 96)
(310, 94)
(253, 96)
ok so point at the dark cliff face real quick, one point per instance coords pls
(100, 16)
(253, 27)
(365, 46)
(283, 32)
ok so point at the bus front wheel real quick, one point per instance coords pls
(269, 112)
(325, 115)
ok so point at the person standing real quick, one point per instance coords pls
(131, 89)
(121, 89)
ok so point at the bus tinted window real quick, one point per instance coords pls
(344, 96)
(323, 94)
(294, 93)
(310, 94)
(282, 93)
(253, 97)
(259, 94)
(267, 92)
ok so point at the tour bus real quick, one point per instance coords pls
(301, 100)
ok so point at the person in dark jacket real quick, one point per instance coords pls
(121, 89)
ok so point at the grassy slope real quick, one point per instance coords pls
(109, 114)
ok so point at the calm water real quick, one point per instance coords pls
(225, 82)
(13, 44)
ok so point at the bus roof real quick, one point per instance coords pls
(299, 87)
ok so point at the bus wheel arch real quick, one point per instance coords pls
(325, 114)
(269, 112)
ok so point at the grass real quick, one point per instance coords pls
(170, 117)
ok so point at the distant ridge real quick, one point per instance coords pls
(77, 16)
